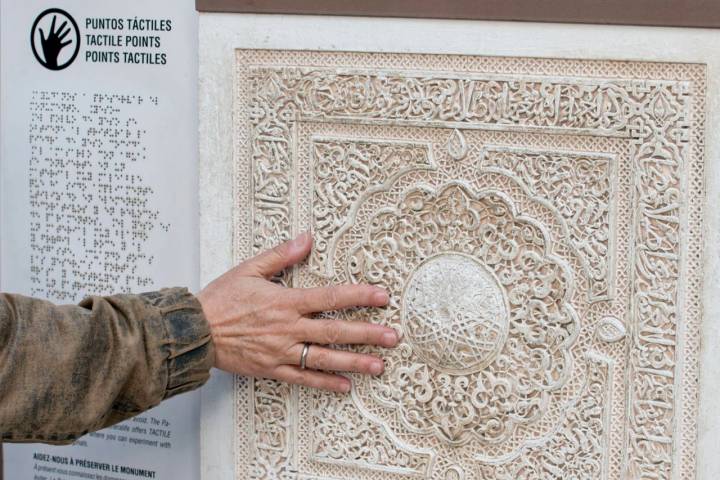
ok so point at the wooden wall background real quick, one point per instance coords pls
(676, 13)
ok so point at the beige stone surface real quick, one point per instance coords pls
(538, 223)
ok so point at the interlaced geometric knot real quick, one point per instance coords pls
(454, 313)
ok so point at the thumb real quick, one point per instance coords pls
(285, 255)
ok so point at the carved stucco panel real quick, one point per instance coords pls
(538, 224)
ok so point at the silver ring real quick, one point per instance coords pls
(303, 356)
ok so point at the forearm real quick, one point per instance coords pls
(68, 370)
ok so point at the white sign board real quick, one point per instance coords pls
(98, 192)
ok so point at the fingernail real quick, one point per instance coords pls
(390, 339)
(376, 368)
(346, 387)
(381, 297)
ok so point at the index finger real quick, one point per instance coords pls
(321, 299)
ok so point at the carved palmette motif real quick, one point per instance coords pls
(538, 225)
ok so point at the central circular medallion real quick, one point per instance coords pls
(454, 313)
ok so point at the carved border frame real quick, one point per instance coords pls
(666, 276)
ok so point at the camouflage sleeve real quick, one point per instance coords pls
(68, 370)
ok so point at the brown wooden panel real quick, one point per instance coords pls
(679, 13)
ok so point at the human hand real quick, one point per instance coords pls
(259, 328)
(53, 43)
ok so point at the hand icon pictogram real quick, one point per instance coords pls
(53, 44)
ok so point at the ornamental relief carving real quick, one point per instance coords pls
(484, 308)
(581, 186)
(525, 216)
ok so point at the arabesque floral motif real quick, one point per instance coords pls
(345, 169)
(461, 404)
(580, 186)
(575, 452)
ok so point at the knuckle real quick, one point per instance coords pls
(322, 360)
(278, 252)
(359, 365)
(298, 378)
(369, 334)
(338, 384)
(264, 362)
(327, 382)
(291, 356)
(333, 331)
(331, 298)
(298, 304)
(366, 292)
(296, 328)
